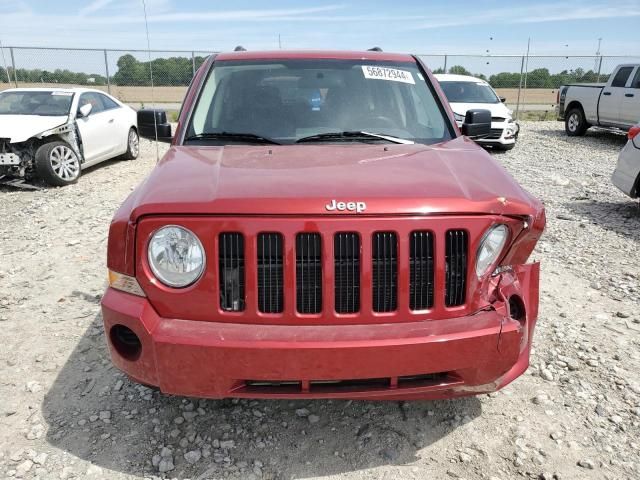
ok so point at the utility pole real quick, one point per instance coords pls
(526, 70)
(595, 67)
(279, 42)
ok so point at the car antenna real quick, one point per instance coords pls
(153, 103)
(375, 49)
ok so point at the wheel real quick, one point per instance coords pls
(504, 148)
(133, 145)
(574, 122)
(57, 164)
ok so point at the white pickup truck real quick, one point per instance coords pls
(615, 104)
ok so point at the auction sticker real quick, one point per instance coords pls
(390, 74)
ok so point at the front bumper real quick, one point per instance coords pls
(502, 133)
(432, 359)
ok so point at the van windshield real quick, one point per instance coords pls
(289, 101)
(43, 103)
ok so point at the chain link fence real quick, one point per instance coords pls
(529, 83)
(126, 74)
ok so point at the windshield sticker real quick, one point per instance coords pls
(390, 74)
(65, 94)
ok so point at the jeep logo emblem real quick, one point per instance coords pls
(357, 207)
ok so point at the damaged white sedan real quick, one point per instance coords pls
(55, 133)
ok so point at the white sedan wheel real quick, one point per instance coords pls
(64, 163)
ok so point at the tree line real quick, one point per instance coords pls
(178, 71)
(37, 75)
(538, 78)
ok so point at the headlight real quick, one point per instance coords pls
(176, 256)
(491, 247)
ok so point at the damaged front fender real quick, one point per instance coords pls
(513, 293)
(17, 159)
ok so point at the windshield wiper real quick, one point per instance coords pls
(248, 137)
(352, 135)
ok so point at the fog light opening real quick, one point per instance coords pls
(516, 308)
(126, 342)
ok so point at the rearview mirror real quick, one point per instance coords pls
(503, 99)
(477, 123)
(85, 110)
(150, 121)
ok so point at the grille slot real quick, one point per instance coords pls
(455, 267)
(231, 262)
(308, 273)
(424, 380)
(270, 273)
(495, 134)
(421, 273)
(346, 251)
(384, 258)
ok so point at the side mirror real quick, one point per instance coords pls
(477, 123)
(85, 110)
(149, 121)
(503, 99)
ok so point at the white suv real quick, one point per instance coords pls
(465, 92)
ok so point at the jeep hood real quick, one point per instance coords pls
(20, 128)
(454, 177)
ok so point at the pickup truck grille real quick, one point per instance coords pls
(346, 277)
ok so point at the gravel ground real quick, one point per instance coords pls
(65, 412)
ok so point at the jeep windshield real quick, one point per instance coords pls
(44, 103)
(317, 101)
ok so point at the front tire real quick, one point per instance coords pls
(133, 145)
(57, 164)
(574, 122)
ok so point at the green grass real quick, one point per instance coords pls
(537, 115)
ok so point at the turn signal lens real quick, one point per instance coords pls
(633, 132)
(125, 283)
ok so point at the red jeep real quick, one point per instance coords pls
(320, 228)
